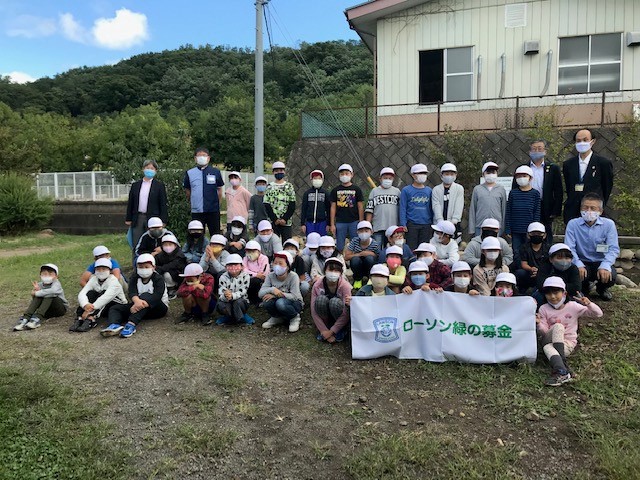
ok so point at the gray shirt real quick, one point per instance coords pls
(383, 205)
(485, 204)
(290, 286)
(472, 253)
(274, 245)
(54, 289)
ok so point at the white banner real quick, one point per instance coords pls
(444, 326)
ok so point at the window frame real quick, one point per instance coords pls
(446, 75)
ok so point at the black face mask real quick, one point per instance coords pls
(488, 233)
(536, 239)
(195, 234)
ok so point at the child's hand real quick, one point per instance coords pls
(88, 307)
(347, 300)
(260, 276)
(278, 293)
(538, 318)
(425, 288)
(267, 297)
(438, 290)
(199, 286)
(474, 292)
(228, 295)
(584, 301)
(36, 287)
(408, 290)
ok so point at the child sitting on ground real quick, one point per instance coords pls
(196, 292)
(102, 252)
(558, 327)
(309, 250)
(326, 249)
(47, 300)
(378, 281)
(506, 285)
(196, 243)
(170, 263)
(462, 277)
(233, 301)
(330, 300)
(485, 273)
(281, 294)
(397, 271)
(418, 279)
(237, 235)
(293, 247)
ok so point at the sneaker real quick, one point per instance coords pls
(224, 320)
(294, 324)
(248, 320)
(340, 335)
(205, 320)
(272, 322)
(76, 325)
(184, 318)
(606, 295)
(111, 330)
(557, 378)
(172, 294)
(87, 325)
(22, 323)
(128, 330)
(34, 323)
(357, 285)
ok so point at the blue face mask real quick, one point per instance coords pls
(536, 155)
(261, 188)
(418, 280)
(149, 172)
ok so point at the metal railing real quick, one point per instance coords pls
(492, 114)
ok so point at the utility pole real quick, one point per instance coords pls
(258, 137)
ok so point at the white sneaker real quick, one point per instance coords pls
(294, 324)
(22, 323)
(272, 322)
(34, 323)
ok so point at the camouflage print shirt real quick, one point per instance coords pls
(279, 196)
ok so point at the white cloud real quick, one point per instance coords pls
(19, 77)
(71, 29)
(31, 26)
(124, 30)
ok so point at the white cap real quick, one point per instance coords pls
(192, 270)
(393, 249)
(460, 266)
(154, 222)
(489, 164)
(393, 229)
(264, 225)
(387, 170)
(364, 224)
(506, 277)
(559, 246)
(436, 227)
(419, 168)
(312, 240)
(379, 269)
(326, 241)
(345, 166)
(239, 218)
(293, 242)
(490, 243)
(334, 260)
(100, 250)
(426, 247)
(237, 174)
(195, 225)
(554, 282)
(277, 165)
(103, 262)
(286, 255)
(170, 238)
(524, 169)
(536, 227)
(448, 167)
(490, 223)
(233, 258)
(253, 245)
(418, 266)
(52, 266)
(146, 257)
(319, 172)
(445, 226)
(218, 239)
(260, 179)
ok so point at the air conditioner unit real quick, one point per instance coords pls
(531, 47)
(633, 39)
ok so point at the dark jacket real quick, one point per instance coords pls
(597, 179)
(156, 205)
(315, 206)
(552, 194)
(172, 263)
(153, 299)
(148, 244)
(571, 277)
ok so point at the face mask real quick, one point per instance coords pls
(386, 183)
(589, 216)
(427, 260)
(234, 269)
(202, 161)
(536, 155)
(149, 172)
(234, 182)
(399, 242)
(488, 233)
(364, 236)
(317, 182)
(169, 248)
(261, 188)
(560, 303)
(102, 276)
(156, 233)
(421, 178)
(292, 251)
(253, 256)
(461, 282)
(379, 283)
(216, 248)
(490, 177)
(332, 277)
(265, 238)
(536, 239)
(492, 256)
(583, 147)
(393, 263)
(522, 181)
(326, 253)
(279, 270)
(236, 230)
(562, 265)
(504, 292)
(448, 179)
(195, 234)
(279, 176)
(145, 272)
(418, 280)
(46, 279)
(345, 178)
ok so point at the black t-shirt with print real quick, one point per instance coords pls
(346, 199)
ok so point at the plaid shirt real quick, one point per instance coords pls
(439, 275)
(185, 290)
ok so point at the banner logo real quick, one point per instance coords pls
(386, 329)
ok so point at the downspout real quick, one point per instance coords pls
(548, 79)
(479, 79)
(503, 67)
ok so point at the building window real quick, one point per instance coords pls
(446, 75)
(591, 63)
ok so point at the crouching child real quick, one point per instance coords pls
(47, 300)
(233, 294)
(196, 292)
(281, 295)
(330, 299)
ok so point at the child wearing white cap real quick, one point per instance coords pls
(559, 264)
(490, 227)
(447, 198)
(523, 208)
(382, 206)
(237, 235)
(418, 279)
(170, 263)
(485, 273)
(47, 300)
(346, 207)
(532, 255)
(280, 202)
(256, 265)
(415, 211)
(196, 292)
(506, 285)
(443, 240)
(257, 212)
(268, 240)
(102, 252)
(151, 240)
(462, 277)
(310, 249)
(378, 285)
(488, 200)
(439, 273)
(316, 206)
(238, 199)
(196, 243)
(557, 324)
(233, 292)
(396, 237)
(293, 247)
(281, 295)
(330, 299)
(362, 253)
(326, 249)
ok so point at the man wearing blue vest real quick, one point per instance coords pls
(203, 184)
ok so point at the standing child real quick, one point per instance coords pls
(415, 207)
(485, 273)
(447, 199)
(558, 327)
(330, 299)
(238, 199)
(382, 205)
(256, 265)
(257, 212)
(346, 207)
(462, 279)
(316, 206)
(280, 202)
(196, 243)
(47, 300)
(523, 208)
(488, 200)
(378, 283)
(233, 301)
(196, 292)
(237, 235)
(281, 294)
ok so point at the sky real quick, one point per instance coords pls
(41, 38)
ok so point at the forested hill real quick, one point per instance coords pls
(203, 89)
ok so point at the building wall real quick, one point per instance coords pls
(480, 23)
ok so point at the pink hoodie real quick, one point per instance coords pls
(568, 316)
(261, 265)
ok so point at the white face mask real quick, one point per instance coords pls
(399, 242)
(265, 238)
(560, 303)
(326, 253)
(522, 181)
(102, 276)
(427, 260)
(448, 179)
(292, 251)
(461, 282)
(491, 178)
(168, 248)
(46, 279)
(253, 256)
(345, 178)
(236, 230)
(332, 277)
(317, 182)
(386, 183)
(421, 178)
(583, 147)
(145, 272)
(492, 256)
(379, 282)
(364, 236)
(279, 270)
(589, 216)
(202, 161)
(234, 182)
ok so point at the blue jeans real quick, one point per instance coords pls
(318, 227)
(361, 266)
(304, 287)
(283, 308)
(517, 240)
(344, 230)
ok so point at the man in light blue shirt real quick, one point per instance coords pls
(593, 240)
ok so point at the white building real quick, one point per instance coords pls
(457, 62)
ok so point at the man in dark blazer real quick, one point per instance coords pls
(585, 173)
(147, 198)
(547, 179)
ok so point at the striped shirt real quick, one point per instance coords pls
(356, 247)
(523, 208)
